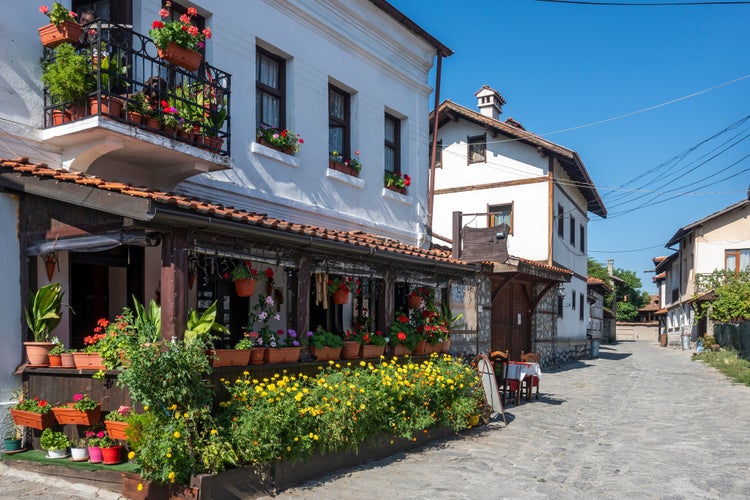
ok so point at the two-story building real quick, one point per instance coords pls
(154, 181)
(498, 173)
(720, 241)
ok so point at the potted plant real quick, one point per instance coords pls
(243, 276)
(178, 41)
(396, 181)
(213, 121)
(55, 354)
(43, 316)
(325, 345)
(403, 337)
(239, 356)
(11, 437)
(90, 358)
(201, 329)
(285, 347)
(116, 422)
(79, 451)
(32, 412)
(284, 140)
(94, 441)
(372, 344)
(68, 78)
(351, 166)
(56, 443)
(62, 27)
(83, 411)
(340, 287)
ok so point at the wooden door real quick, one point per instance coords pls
(510, 326)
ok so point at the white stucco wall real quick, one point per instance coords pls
(11, 319)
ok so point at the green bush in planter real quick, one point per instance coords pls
(67, 76)
(54, 440)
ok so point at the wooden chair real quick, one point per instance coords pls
(500, 360)
(530, 382)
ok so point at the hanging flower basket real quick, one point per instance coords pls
(32, 419)
(69, 415)
(185, 58)
(341, 296)
(53, 35)
(245, 287)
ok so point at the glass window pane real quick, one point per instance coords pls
(270, 110)
(336, 139)
(731, 262)
(390, 130)
(390, 159)
(336, 105)
(268, 72)
(744, 259)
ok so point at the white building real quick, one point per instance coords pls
(344, 75)
(720, 241)
(497, 172)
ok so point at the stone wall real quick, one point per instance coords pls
(639, 332)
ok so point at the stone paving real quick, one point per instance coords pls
(640, 421)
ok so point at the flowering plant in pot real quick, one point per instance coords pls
(340, 287)
(63, 26)
(396, 180)
(243, 276)
(59, 13)
(284, 140)
(181, 32)
(353, 163)
(32, 412)
(403, 332)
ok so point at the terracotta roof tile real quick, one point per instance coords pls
(354, 238)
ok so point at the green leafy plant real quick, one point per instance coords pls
(397, 180)
(43, 311)
(59, 14)
(99, 438)
(323, 338)
(285, 139)
(202, 328)
(352, 162)
(59, 347)
(54, 440)
(246, 342)
(732, 296)
(242, 271)
(403, 331)
(119, 415)
(67, 75)
(258, 328)
(84, 403)
(35, 405)
(337, 283)
(181, 32)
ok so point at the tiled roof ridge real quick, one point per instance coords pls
(544, 265)
(196, 205)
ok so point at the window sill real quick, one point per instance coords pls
(288, 160)
(394, 196)
(343, 178)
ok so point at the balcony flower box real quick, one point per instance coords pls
(32, 419)
(343, 168)
(180, 56)
(69, 415)
(230, 357)
(53, 35)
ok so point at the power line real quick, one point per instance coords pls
(644, 4)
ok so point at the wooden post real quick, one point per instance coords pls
(174, 284)
(388, 299)
(304, 278)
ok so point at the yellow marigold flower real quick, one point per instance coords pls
(296, 439)
(246, 373)
(169, 455)
(315, 437)
(131, 455)
(145, 408)
(288, 448)
(171, 475)
(176, 434)
(140, 487)
(173, 407)
(214, 432)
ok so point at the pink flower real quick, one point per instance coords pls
(123, 410)
(100, 434)
(77, 397)
(44, 9)
(164, 13)
(192, 11)
(193, 30)
(356, 152)
(207, 33)
(185, 18)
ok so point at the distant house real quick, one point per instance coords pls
(600, 317)
(720, 241)
(497, 173)
(647, 313)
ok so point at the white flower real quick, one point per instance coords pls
(262, 316)
(269, 300)
(277, 317)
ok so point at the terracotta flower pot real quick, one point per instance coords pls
(326, 353)
(341, 296)
(185, 58)
(371, 351)
(53, 35)
(116, 430)
(414, 301)
(109, 106)
(230, 357)
(245, 287)
(350, 350)
(67, 361)
(38, 353)
(343, 168)
(88, 361)
(445, 346)
(257, 355)
(60, 117)
(401, 350)
(421, 347)
(69, 415)
(282, 355)
(55, 360)
(32, 419)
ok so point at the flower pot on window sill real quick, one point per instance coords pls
(180, 56)
(343, 168)
(264, 142)
(53, 35)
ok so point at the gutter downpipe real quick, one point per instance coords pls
(433, 156)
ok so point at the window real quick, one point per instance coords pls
(560, 221)
(559, 307)
(476, 149)
(582, 237)
(269, 90)
(737, 260)
(580, 309)
(438, 154)
(338, 121)
(392, 144)
(573, 303)
(501, 214)
(573, 231)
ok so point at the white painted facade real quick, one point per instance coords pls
(515, 173)
(353, 44)
(701, 249)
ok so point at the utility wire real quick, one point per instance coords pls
(644, 4)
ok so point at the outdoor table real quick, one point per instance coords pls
(517, 372)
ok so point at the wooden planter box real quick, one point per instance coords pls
(282, 354)
(185, 58)
(343, 168)
(52, 35)
(152, 491)
(88, 361)
(32, 419)
(69, 415)
(116, 430)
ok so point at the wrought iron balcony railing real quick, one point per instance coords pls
(124, 79)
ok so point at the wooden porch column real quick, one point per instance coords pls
(174, 284)
(388, 299)
(303, 295)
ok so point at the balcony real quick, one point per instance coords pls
(135, 117)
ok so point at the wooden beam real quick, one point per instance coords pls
(538, 298)
(491, 185)
(174, 284)
(304, 278)
(505, 283)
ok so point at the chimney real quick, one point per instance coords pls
(611, 267)
(489, 102)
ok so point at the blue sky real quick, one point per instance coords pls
(563, 66)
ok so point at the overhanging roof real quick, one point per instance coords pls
(412, 26)
(691, 227)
